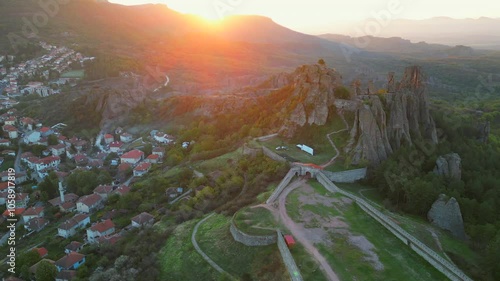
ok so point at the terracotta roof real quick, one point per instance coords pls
(109, 136)
(36, 224)
(103, 226)
(142, 218)
(70, 197)
(80, 158)
(33, 211)
(68, 205)
(112, 239)
(133, 154)
(143, 167)
(153, 156)
(116, 144)
(4, 185)
(122, 189)
(90, 200)
(42, 252)
(44, 129)
(58, 146)
(72, 222)
(9, 128)
(103, 189)
(69, 260)
(124, 167)
(49, 159)
(17, 212)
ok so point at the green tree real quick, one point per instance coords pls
(46, 271)
(52, 140)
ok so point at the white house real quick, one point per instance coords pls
(100, 229)
(132, 157)
(115, 146)
(48, 162)
(32, 213)
(143, 219)
(163, 138)
(89, 203)
(58, 149)
(142, 169)
(103, 190)
(11, 130)
(126, 137)
(69, 227)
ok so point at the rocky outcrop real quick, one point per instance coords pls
(383, 123)
(449, 166)
(484, 132)
(445, 213)
(312, 93)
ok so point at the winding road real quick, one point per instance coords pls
(298, 231)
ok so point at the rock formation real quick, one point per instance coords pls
(312, 93)
(384, 123)
(484, 132)
(449, 166)
(445, 213)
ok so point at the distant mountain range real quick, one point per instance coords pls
(479, 33)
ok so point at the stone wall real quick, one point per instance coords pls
(266, 138)
(288, 260)
(346, 176)
(250, 240)
(271, 154)
(284, 183)
(444, 266)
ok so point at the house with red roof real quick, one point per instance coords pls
(32, 213)
(142, 169)
(42, 252)
(36, 224)
(143, 219)
(89, 203)
(27, 122)
(153, 159)
(5, 142)
(46, 131)
(58, 149)
(100, 229)
(109, 138)
(11, 121)
(103, 190)
(11, 131)
(160, 151)
(80, 159)
(122, 190)
(69, 227)
(71, 261)
(115, 146)
(109, 239)
(132, 157)
(48, 162)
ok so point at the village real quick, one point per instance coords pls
(40, 75)
(37, 151)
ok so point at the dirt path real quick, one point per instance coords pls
(298, 231)
(328, 136)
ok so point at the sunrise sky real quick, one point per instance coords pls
(320, 16)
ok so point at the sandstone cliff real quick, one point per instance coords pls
(385, 122)
(312, 93)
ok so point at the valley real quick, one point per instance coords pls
(142, 143)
